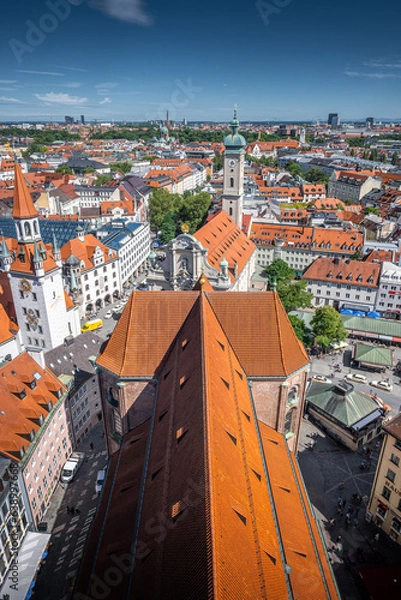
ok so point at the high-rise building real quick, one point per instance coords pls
(370, 122)
(69, 120)
(334, 120)
(83, 119)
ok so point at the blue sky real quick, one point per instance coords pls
(134, 59)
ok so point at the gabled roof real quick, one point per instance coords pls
(23, 205)
(220, 531)
(225, 240)
(255, 323)
(20, 415)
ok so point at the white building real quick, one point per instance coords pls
(389, 293)
(45, 313)
(131, 242)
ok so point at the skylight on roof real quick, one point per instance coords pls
(37, 376)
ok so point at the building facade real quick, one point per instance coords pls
(384, 506)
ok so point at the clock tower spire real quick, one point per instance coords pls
(233, 166)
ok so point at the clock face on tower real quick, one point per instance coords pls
(232, 162)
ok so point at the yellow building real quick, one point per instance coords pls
(385, 500)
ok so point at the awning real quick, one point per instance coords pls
(367, 420)
(29, 556)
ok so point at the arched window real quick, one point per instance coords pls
(232, 182)
(230, 211)
(19, 229)
(288, 422)
(27, 228)
(35, 227)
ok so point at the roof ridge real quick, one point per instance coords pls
(278, 306)
(128, 328)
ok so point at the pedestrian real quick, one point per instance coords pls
(354, 496)
(340, 501)
(341, 485)
(338, 540)
(376, 537)
(332, 522)
(344, 502)
(91, 445)
(68, 509)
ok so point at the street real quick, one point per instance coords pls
(325, 366)
(70, 530)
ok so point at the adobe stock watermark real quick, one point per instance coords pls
(268, 9)
(37, 32)
(182, 96)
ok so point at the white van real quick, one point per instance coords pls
(101, 476)
(71, 467)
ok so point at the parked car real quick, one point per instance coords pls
(71, 467)
(117, 307)
(124, 301)
(101, 475)
(108, 315)
(322, 379)
(383, 385)
(356, 377)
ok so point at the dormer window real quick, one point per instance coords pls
(349, 277)
(339, 276)
(359, 278)
(330, 275)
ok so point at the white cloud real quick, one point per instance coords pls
(71, 68)
(131, 11)
(72, 84)
(105, 101)
(53, 98)
(11, 100)
(385, 64)
(40, 73)
(9, 81)
(8, 89)
(373, 75)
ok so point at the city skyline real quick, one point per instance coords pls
(134, 60)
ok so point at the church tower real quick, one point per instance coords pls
(35, 277)
(233, 165)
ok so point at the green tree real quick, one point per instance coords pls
(193, 210)
(300, 328)
(294, 169)
(162, 203)
(168, 228)
(294, 295)
(373, 154)
(327, 327)
(279, 271)
(103, 179)
(317, 176)
(124, 166)
(64, 170)
(218, 162)
(371, 210)
(394, 160)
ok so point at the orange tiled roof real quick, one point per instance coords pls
(224, 239)
(84, 250)
(24, 253)
(216, 509)
(310, 575)
(255, 323)
(23, 205)
(20, 416)
(313, 238)
(8, 329)
(354, 272)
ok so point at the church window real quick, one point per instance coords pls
(40, 329)
(19, 229)
(232, 182)
(27, 228)
(288, 422)
(230, 211)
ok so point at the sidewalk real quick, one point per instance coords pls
(323, 469)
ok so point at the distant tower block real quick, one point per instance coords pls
(302, 135)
